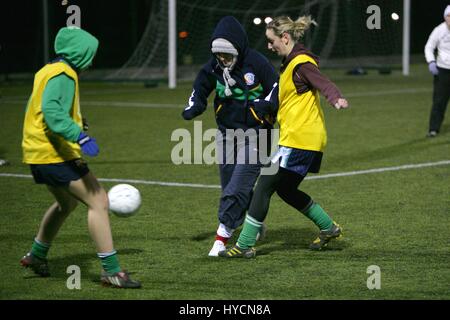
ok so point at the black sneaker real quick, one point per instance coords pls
(38, 265)
(236, 252)
(119, 280)
(325, 236)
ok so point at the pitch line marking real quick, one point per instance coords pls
(128, 104)
(212, 186)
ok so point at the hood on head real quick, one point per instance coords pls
(77, 46)
(230, 29)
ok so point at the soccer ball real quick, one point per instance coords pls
(124, 200)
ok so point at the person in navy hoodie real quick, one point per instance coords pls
(238, 74)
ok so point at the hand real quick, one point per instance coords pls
(341, 103)
(188, 114)
(88, 145)
(265, 110)
(433, 68)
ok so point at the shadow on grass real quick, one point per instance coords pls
(204, 236)
(288, 239)
(281, 239)
(58, 265)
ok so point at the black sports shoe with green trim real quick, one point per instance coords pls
(236, 252)
(38, 265)
(119, 280)
(325, 236)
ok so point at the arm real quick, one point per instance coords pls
(56, 104)
(431, 45)
(308, 75)
(268, 107)
(198, 100)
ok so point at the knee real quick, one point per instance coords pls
(101, 201)
(68, 206)
(285, 193)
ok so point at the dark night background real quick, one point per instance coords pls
(119, 24)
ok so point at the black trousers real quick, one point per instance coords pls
(441, 95)
(285, 183)
(238, 176)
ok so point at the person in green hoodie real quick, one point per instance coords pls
(54, 138)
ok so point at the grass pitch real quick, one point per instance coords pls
(397, 220)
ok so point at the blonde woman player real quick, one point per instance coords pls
(302, 135)
(53, 139)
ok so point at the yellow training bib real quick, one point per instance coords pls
(39, 144)
(302, 124)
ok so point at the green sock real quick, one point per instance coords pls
(40, 249)
(318, 216)
(110, 262)
(247, 238)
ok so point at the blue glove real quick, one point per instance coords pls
(433, 68)
(88, 145)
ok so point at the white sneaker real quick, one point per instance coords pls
(217, 247)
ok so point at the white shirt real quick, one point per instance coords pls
(439, 39)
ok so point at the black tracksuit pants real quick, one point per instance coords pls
(441, 95)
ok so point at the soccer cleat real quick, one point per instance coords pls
(325, 236)
(38, 265)
(432, 134)
(119, 280)
(262, 233)
(217, 247)
(236, 252)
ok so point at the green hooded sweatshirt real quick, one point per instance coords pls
(77, 48)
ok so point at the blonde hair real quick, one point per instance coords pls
(296, 28)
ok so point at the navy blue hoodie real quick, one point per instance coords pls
(254, 75)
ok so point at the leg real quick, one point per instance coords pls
(237, 193)
(236, 196)
(288, 191)
(257, 212)
(441, 95)
(234, 202)
(52, 221)
(226, 169)
(264, 190)
(91, 193)
(56, 214)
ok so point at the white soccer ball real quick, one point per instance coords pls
(124, 200)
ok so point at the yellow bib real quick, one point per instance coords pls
(39, 144)
(302, 124)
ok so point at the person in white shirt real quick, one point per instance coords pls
(439, 66)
